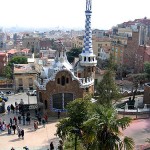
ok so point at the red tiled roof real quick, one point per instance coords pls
(25, 50)
(12, 51)
(3, 54)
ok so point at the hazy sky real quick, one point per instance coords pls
(70, 13)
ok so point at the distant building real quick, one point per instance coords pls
(24, 76)
(3, 62)
(32, 43)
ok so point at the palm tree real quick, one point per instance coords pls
(103, 130)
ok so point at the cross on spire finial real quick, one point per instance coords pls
(88, 4)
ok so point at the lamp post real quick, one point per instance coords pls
(76, 132)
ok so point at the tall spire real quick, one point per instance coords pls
(87, 58)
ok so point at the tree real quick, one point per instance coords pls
(78, 111)
(147, 68)
(102, 130)
(107, 89)
(17, 60)
(8, 71)
(73, 53)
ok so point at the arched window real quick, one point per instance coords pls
(62, 80)
(67, 80)
(84, 58)
(45, 103)
(89, 59)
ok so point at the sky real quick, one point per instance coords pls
(70, 13)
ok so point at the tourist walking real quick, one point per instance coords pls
(14, 128)
(12, 108)
(19, 118)
(8, 109)
(51, 146)
(35, 125)
(58, 114)
(46, 118)
(22, 133)
(15, 120)
(11, 122)
(43, 122)
(23, 119)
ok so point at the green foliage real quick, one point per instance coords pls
(73, 53)
(102, 130)
(107, 89)
(99, 130)
(8, 72)
(78, 112)
(147, 67)
(17, 60)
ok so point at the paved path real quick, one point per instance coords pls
(35, 140)
(139, 130)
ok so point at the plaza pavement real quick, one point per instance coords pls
(35, 140)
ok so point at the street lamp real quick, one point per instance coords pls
(76, 132)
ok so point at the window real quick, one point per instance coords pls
(67, 80)
(84, 58)
(89, 59)
(62, 80)
(30, 82)
(87, 89)
(79, 75)
(20, 82)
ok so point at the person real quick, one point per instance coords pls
(19, 118)
(58, 114)
(15, 120)
(9, 128)
(11, 122)
(8, 109)
(35, 125)
(14, 128)
(12, 148)
(19, 131)
(60, 146)
(43, 122)
(46, 118)
(51, 146)
(12, 108)
(17, 109)
(22, 133)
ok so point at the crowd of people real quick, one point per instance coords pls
(18, 118)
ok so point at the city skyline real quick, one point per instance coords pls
(69, 13)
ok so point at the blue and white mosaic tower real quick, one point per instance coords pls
(87, 57)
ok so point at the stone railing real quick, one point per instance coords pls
(84, 82)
